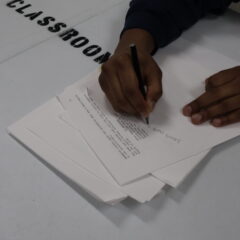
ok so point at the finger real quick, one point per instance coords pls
(210, 97)
(130, 88)
(233, 117)
(154, 85)
(222, 77)
(221, 108)
(121, 105)
(110, 85)
(203, 101)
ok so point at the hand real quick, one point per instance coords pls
(220, 104)
(119, 82)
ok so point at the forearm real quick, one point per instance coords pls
(165, 20)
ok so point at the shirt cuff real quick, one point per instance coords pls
(155, 25)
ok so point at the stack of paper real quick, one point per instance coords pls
(53, 133)
(109, 155)
(112, 156)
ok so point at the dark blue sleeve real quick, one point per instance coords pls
(165, 20)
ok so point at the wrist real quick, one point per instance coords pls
(141, 38)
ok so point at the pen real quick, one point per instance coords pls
(136, 66)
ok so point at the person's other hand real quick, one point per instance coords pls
(220, 104)
(119, 82)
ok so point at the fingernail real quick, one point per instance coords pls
(217, 122)
(187, 110)
(197, 118)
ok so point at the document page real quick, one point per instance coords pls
(59, 133)
(133, 149)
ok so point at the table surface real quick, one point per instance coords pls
(35, 203)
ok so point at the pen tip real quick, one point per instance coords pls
(147, 121)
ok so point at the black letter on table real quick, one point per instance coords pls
(45, 21)
(20, 10)
(92, 50)
(79, 42)
(12, 5)
(32, 16)
(103, 58)
(57, 27)
(69, 34)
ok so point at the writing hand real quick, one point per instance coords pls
(119, 82)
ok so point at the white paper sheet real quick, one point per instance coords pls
(143, 190)
(48, 123)
(98, 188)
(172, 175)
(52, 128)
(175, 174)
(104, 129)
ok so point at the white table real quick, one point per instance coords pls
(36, 203)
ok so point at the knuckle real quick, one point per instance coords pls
(210, 80)
(238, 115)
(224, 107)
(225, 72)
(156, 95)
(117, 108)
(225, 120)
(153, 68)
(207, 114)
(106, 67)
(159, 94)
(218, 93)
(159, 77)
(159, 71)
(139, 106)
(237, 83)
(197, 104)
(130, 92)
(122, 57)
(216, 110)
(121, 103)
(237, 68)
(222, 72)
(121, 60)
(157, 67)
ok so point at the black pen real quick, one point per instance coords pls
(136, 66)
